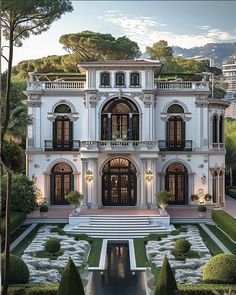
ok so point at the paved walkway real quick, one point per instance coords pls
(22, 236)
(174, 211)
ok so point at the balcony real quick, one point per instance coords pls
(118, 145)
(181, 86)
(218, 146)
(67, 145)
(55, 85)
(183, 145)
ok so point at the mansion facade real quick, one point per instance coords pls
(118, 136)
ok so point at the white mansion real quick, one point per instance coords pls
(119, 137)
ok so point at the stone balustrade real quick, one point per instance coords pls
(182, 86)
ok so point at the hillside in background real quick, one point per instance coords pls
(219, 51)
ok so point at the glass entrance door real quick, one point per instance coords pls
(119, 183)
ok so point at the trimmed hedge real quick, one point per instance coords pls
(33, 290)
(220, 269)
(201, 289)
(182, 246)
(225, 221)
(232, 193)
(52, 246)
(19, 272)
(16, 219)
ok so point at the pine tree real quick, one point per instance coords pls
(71, 283)
(166, 283)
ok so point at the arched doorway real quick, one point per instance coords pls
(176, 181)
(120, 120)
(119, 183)
(62, 182)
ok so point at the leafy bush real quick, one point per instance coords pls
(225, 221)
(163, 197)
(182, 246)
(52, 246)
(74, 198)
(201, 208)
(23, 194)
(43, 208)
(12, 155)
(220, 269)
(16, 219)
(18, 272)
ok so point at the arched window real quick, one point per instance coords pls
(214, 129)
(119, 183)
(61, 183)
(62, 108)
(134, 79)
(175, 108)
(120, 79)
(120, 120)
(221, 130)
(176, 181)
(105, 79)
(175, 129)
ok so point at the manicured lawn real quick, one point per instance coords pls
(211, 245)
(223, 238)
(20, 248)
(95, 252)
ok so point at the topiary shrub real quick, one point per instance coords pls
(23, 194)
(225, 221)
(18, 272)
(220, 269)
(52, 246)
(71, 283)
(182, 246)
(166, 283)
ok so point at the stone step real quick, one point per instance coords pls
(116, 225)
(102, 229)
(107, 223)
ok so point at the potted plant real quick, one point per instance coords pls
(43, 209)
(163, 199)
(202, 210)
(75, 199)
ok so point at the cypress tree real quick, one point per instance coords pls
(166, 283)
(71, 283)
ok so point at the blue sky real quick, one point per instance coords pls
(183, 23)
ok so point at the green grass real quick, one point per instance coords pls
(44, 254)
(20, 248)
(16, 219)
(223, 238)
(95, 253)
(211, 245)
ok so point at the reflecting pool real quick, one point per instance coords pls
(117, 278)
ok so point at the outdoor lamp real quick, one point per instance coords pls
(149, 175)
(89, 176)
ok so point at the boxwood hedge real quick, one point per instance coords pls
(225, 221)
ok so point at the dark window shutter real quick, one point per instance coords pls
(71, 182)
(54, 133)
(167, 134)
(71, 130)
(167, 182)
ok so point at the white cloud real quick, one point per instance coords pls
(147, 30)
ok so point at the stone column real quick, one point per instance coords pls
(84, 186)
(149, 185)
(143, 199)
(46, 193)
(76, 181)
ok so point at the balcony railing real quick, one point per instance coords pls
(168, 145)
(182, 86)
(53, 85)
(218, 146)
(66, 145)
(119, 145)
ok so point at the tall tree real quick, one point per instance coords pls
(159, 50)
(19, 19)
(91, 46)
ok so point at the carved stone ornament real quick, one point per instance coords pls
(33, 103)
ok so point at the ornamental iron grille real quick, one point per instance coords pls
(176, 181)
(119, 183)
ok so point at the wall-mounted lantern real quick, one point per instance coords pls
(149, 175)
(89, 176)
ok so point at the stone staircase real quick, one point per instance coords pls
(116, 226)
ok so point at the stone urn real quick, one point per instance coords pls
(75, 200)
(163, 198)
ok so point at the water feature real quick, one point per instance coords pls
(117, 278)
